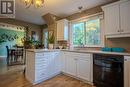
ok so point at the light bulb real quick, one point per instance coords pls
(38, 3)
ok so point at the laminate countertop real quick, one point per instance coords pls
(78, 51)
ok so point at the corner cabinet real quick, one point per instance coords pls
(62, 30)
(117, 19)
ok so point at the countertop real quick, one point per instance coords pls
(43, 50)
(78, 51)
(99, 52)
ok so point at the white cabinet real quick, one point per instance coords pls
(125, 17)
(70, 63)
(62, 30)
(78, 65)
(117, 19)
(84, 67)
(42, 66)
(127, 71)
(112, 20)
(63, 61)
(57, 63)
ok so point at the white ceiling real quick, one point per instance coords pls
(60, 8)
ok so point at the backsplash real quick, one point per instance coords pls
(118, 42)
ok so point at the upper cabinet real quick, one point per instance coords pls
(62, 30)
(112, 20)
(125, 17)
(117, 19)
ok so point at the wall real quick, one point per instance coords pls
(32, 27)
(13, 37)
(85, 13)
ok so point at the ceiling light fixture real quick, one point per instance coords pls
(80, 9)
(36, 3)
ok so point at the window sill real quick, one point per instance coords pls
(89, 46)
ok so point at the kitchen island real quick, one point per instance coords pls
(42, 64)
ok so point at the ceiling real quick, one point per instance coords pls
(61, 8)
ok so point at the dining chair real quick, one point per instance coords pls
(9, 56)
(18, 54)
(7, 60)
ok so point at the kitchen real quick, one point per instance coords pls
(106, 68)
(89, 48)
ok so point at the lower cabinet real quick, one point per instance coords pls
(78, 65)
(83, 69)
(44, 65)
(127, 71)
(63, 61)
(70, 64)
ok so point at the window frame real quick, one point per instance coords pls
(84, 20)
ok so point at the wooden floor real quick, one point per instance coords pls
(14, 78)
(17, 80)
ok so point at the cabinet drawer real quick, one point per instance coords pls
(40, 63)
(84, 58)
(39, 71)
(42, 54)
(39, 54)
(40, 76)
(38, 67)
(41, 59)
(81, 55)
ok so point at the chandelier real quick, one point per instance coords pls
(36, 3)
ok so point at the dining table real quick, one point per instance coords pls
(17, 56)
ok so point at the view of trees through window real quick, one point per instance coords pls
(86, 33)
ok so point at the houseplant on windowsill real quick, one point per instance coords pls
(51, 41)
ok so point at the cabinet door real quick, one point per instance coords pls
(83, 69)
(70, 64)
(66, 25)
(60, 30)
(112, 20)
(127, 71)
(57, 63)
(125, 17)
(51, 67)
(63, 61)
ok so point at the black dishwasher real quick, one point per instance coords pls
(108, 70)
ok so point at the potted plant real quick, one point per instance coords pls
(37, 44)
(51, 41)
(28, 43)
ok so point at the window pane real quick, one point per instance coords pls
(78, 34)
(93, 32)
